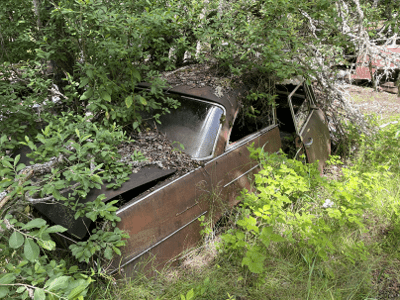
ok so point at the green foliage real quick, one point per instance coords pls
(189, 295)
(382, 152)
(90, 159)
(206, 226)
(291, 206)
(29, 271)
(240, 41)
(100, 241)
(69, 72)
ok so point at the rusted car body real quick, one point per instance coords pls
(164, 222)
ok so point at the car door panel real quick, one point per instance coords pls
(170, 213)
(310, 126)
(316, 138)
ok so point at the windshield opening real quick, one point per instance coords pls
(193, 127)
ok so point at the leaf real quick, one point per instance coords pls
(190, 295)
(91, 215)
(35, 223)
(108, 253)
(86, 137)
(116, 250)
(56, 228)
(20, 167)
(89, 73)
(254, 259)
(16, 240)
(136, 74)
(77, 132)
(7, 163)
(16, 160)
(39, 294)
(31, 250)
(21, 289)
(76, 291)
(59, 283)
(48, 245)
(3, 291)
(142, 100)
(129, 101)
(84, 81)
(7, 279)
(87, 94)
(106, 96)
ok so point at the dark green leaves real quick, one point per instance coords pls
(56, 228)
(86, 95)
(106, 96)
(7, 278)
(3, 291)
(58, 283)
(35, 223)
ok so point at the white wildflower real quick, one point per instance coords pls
(328, 203)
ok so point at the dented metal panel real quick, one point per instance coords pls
(313, 134)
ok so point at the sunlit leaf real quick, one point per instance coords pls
(31, 250)
(16, 240)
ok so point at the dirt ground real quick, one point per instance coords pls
(383, 104)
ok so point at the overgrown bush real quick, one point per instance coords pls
(293, 205)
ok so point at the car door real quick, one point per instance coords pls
(310, 125)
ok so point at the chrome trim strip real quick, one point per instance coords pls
(237, 178)
(158, 243)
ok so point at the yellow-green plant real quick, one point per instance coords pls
(294, 206)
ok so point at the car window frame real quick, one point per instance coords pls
(217, 137)
(229, 146)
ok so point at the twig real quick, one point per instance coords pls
(45, 199)
(4, 198)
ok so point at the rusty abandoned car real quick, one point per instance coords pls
(164, 221)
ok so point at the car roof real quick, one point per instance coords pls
(228, 99)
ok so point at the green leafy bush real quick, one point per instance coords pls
(28, 269)
(291, 206)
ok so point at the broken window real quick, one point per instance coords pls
(252, 119)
